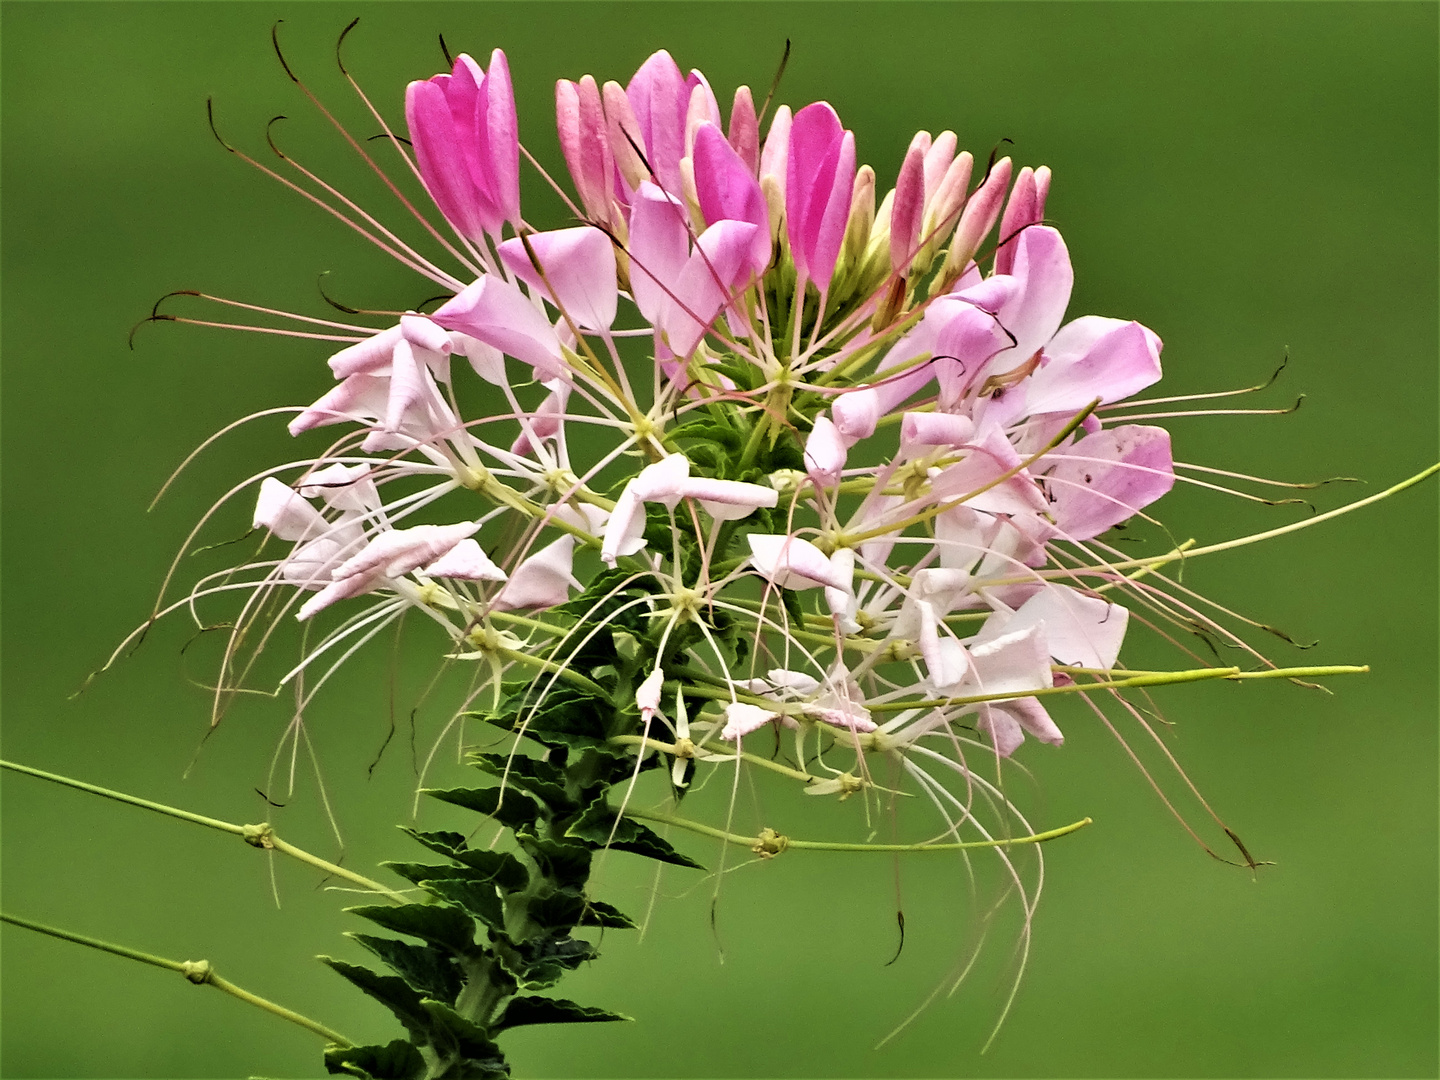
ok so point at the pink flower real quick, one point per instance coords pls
(820, 173)
(467, 146)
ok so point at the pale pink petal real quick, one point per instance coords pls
(647, 695)
(578, 264)
(467, 561)
(345, 487)
(659, 97)
(542, 580)
(825, 452)
(499, 314)
(423, 333)
(287, 515)
(624, 528)
(935, 429)
(1093, 357)
(1107, 477)
(396, 552)
(1013, 663)
(659, 246)
(664, 481)
(978, 477)
(1082, 630)
(791, 562)
(720, 267)
(1042, 263)
(729, 500)
(1020, 211)
(370, 357)
(360, 397)
(339, 590)
(744, 130)
(741, 718)
(855, 414)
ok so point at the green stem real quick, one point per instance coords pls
(260, 836)
(1158, 678)
(197, 971)
(754, 759)
(776, 842)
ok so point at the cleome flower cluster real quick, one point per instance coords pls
(855, 487)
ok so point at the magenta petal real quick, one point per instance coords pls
(585, 141)
(1105, 478)
(744, 130)
(820, 175)
(503, 140)
(1020, 211)
(659, 97)
(727, 190)
(1094, 357)
(499, 314)
(440, 156)
(907, 210)
(579, 264)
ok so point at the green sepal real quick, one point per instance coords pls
(435, 923)
(599, 913)
(543, 1010)
(398, 1060)
(479, 1056)
(514, 809)
(431, 972)
(540, 778)
(391, 991)
(602, 827)
(478, 900)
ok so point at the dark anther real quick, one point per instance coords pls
(900, 919)
(995, 150)
(155, 311)
(775, 82)
(210, 115)
(275, 40)
(340, 41)
(1284, 362)
(269, 800)
(320, 286)
(274, 149)
(445, 52)
(142, 322)
(431, 299)
(397, 138)
(640, 154)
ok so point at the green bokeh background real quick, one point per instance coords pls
(1242, 178)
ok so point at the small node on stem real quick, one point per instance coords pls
(770, 843)
(260, 836)
(197, 971)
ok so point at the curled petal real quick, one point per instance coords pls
(499, 314)
(791, 562)
(728, 191)
(467, 561)
(729, 500)
(855, 414)
(719, 268)
(370, 357)
(741, 718)
(1094, 357)
(1007, 721)
(825, 453)
(396, 552)
(935, 429)
(647, 696)
(1082, 630)
(287, 515)
(345, 487)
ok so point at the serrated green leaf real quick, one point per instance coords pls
(599, 913)
(442, 843)
(452, 1033)
(540, 778)
(511, 807)
(546, 959)
(565, 864)
(558, 909)
(478, 900)
(398, 1060)
(429, 971)
(569, 718)
(435, 923)
(497, 868)
(530, 1009)
(602, 827)
(600, 587)
(391, 991)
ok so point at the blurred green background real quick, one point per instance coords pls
(1242, 178)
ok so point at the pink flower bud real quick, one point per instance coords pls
(825, 452)
(627, 143)
(585, 141)
(741, 718)
(744, 130)
(467, 147)
(790, 562)
(647, 696)
(976, 220)
(1020, 211)
(819, 179)
(659, 97)
(907, 210)
(542, 580)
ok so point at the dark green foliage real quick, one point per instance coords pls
(429, 971)
(541, 1010)
(397, 1061)
(601, 826)
(500, 922)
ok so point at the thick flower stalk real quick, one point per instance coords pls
(851, 507)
